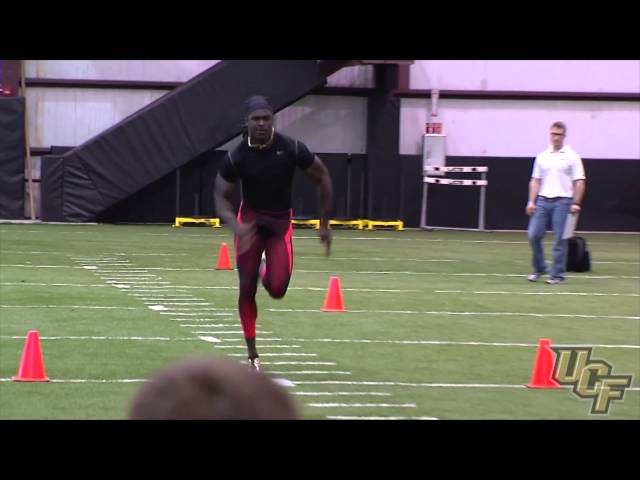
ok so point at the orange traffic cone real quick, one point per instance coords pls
(224, 260)
(333, 301)
(31, 365)
(542, 374)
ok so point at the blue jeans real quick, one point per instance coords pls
(552, 211)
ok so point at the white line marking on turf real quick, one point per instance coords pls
(160, 289)
(346, 417)
(261, 346)
(622, 263)
(508, 314)
(105, 275)
(83, 380)
(447, 342)
(174, 313)
(162, 299)
(170, 295)
(310, 372)
(202, 319)
(182, 303)
(300, 363)
(72, 306)
(27, 284)
(210, 339)
(306, 382)
(149, 254)
(346, 394)
(363, 405)
(587, 294)
(634, 277)
(284, 354)
(164, 339)
(389, 272)
(150, 283)
(323, 289)
(157, 308)
(379, 259)
(407, 384)
(411, 342)
(199, 308)
(217, 332)
(211, 325)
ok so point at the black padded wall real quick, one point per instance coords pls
(12, 154)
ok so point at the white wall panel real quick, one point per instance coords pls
(69, 117)
(149, 70)
(519, 128)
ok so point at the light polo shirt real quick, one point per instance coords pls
(557, 171)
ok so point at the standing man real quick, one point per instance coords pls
(556, 189)
(265, 162)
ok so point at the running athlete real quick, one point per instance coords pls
(265, 162)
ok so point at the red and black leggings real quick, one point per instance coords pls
(273, 236)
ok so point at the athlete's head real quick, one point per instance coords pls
(259, 120)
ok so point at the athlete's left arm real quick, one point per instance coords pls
(319, 173)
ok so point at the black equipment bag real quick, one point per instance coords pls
(578, 256)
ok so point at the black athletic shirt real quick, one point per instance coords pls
(267, 175)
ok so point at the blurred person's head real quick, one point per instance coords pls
(211, 389)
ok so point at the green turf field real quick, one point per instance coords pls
(439, 324)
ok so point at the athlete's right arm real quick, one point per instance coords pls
(223, 192)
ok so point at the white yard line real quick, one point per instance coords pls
(30, 284)
(217, 332)
(202, 319)
(464, 274)
(311, 372)
(282, 354)
(359, 272)
(210, 325)
(160, 289)
(346, 394)
(73, 306)
(163, 339)
(317, 382)
(261, 346)
(179, 303)
(362, 405)
(133, 275)
(86, 380)
(348, 417)
(300, 363)
(586, 294)
(210, 309)
(380, 259)
(408, 384)
(331, 340)
(448, 342)
(508, 314)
